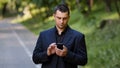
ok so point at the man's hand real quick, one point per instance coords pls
(51, 49)
(62, 52)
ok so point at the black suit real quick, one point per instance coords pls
(73, 40)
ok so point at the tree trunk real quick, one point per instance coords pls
(4, 9)
(90, 4)
(108, 5)
(78, 4)
(117, 7)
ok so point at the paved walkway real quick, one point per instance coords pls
(16, 46)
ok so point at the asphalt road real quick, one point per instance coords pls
(16, 46)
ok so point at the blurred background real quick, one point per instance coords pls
(99, 20)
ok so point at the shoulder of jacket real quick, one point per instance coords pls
(76, 32)
(47, 31)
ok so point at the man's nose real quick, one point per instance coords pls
(61, 20)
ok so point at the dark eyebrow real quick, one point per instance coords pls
(58, 17)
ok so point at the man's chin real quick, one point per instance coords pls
(61, 27)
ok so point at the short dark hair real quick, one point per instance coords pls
(62, 8)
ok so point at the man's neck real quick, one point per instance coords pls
(60, 30)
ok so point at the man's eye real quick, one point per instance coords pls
(59, 18)
(65, 18)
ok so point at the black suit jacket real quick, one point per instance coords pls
(73, 40)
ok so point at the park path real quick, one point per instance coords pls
(16, 45)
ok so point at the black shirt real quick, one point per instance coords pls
(59, 38)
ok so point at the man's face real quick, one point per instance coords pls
(61, 19)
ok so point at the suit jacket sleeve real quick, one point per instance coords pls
(79, 55)
(39, 55)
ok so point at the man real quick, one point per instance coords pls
(61, 46)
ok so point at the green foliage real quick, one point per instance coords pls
(103, 47)
(1, 4)
(41, 3)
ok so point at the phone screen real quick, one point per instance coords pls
(60, 45)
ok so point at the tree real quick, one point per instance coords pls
(108, 5)
(117, 3)
(4, 9)
(90, 4)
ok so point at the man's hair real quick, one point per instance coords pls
(62, 8)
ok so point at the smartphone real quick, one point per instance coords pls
(60, 45)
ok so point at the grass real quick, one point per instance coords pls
(103, 47)
(102, 44)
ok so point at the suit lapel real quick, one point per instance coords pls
(68, 36)
(52, 35)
